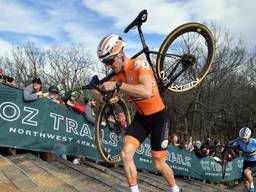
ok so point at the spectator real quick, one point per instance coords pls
(201, 151)
(72, 101)
(2, 76)
(110, 121)
(207, 142)
(174, 140)
(80, 108)
(33, 91)
(90, 104)
(9, 81)
(64, 85)
(231, 154)
(53, 94)
(204, 150)
(222, 153)
(87, 109)
(190, 146)
(122, 119)
(214, 147)
(116, 124)
(218, 156)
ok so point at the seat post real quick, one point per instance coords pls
(145, 47)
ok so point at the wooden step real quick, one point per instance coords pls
(144, 186)
(42, 177)
(185, 184)
(26, 172)
(56, 176)
(13, 178)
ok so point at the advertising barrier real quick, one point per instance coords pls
(43, 125)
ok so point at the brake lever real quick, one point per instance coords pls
(107, 96)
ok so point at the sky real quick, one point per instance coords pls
(67, 22)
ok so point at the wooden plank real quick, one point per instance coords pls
(43, 178)
(14, 178)
(6, 184)
(115, 185)
(68, 176)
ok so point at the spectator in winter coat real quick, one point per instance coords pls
(33, 91)
(87, 109)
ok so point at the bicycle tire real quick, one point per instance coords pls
(172, 42)
(102, 132)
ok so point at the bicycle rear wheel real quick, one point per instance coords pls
(111, 124)
(185, 57)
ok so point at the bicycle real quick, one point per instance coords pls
(183, 61)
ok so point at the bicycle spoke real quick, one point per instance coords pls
(195, 45)
(190, 44)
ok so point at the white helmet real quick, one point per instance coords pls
(245, 132)
(109, 47)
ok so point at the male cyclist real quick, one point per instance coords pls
(136, 78)
(248, 146)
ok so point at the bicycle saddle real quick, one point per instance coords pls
(141, 18)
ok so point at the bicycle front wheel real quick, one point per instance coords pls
(112, 122)
(185, 57)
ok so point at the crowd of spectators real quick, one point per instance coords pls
(216, 150)
(61, 93)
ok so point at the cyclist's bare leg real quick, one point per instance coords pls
(127, 154)
(166, 171)
(248, 177)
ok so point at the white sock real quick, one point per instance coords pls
(174, 188)
(252, 186)
(134, 188)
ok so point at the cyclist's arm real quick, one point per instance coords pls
(143, 89)
(249, 154)
(253, 149)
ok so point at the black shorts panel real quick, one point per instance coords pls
(137, 128)
(156, 125)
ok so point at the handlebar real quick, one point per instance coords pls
(96, 82)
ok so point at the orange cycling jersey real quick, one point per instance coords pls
(134, 69)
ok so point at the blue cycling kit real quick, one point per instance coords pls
(249, 147)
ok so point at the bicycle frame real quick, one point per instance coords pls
(147, 52)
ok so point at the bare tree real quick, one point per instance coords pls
(25, 63)
(75, 62)
(209, 109)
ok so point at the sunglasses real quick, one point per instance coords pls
(109, 61)
(245, 139)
